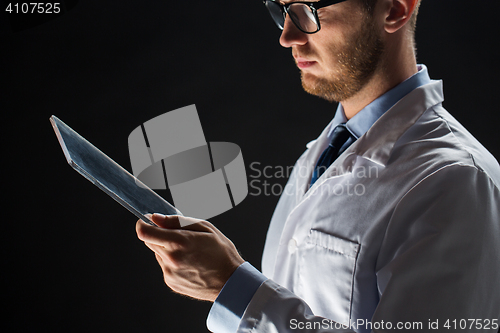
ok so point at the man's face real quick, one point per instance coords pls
(337, 61)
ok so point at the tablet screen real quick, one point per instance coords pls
(108, 175)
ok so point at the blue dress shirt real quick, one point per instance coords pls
(228, 308)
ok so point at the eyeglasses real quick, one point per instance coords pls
(303, 14)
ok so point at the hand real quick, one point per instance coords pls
(196, 260)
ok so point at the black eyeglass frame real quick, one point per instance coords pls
(314, 6)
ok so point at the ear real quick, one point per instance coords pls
(398, 14)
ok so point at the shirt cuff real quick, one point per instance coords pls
(227, 310)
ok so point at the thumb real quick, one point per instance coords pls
(166, 221)
(181, 222)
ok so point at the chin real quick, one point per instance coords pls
(309, 81)
(322, 88)
(332, 90)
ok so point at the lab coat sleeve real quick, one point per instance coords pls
(227, 310)
(439, 259)
(438, 262)
(274, 309)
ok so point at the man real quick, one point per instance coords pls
(390, 219)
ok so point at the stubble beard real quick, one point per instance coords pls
(356, 64)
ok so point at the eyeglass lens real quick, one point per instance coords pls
(301, 14)
(303, 17)
(276, 13)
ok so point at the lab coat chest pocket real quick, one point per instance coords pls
(326, 275)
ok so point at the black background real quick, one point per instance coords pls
(71, 261)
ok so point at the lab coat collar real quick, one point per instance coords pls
(364, 119)
(377, 143)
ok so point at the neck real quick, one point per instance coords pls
(395, 67)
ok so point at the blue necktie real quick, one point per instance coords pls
(339, 138)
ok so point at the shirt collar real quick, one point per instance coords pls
(364, 119)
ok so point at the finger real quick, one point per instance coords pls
(164, 267)
(158, 236)
(184, 222)
(166, 221)
(161, 252)
(167, 273)
(149, 217)
(163, 263)
(157, 249)
(190, 223)
(163, 256)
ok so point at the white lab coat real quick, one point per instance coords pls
(404, 227)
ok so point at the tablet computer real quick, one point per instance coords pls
(109, 176)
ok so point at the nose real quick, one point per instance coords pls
(291, 35)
